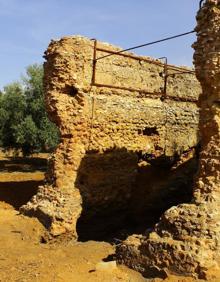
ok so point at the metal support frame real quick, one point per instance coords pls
(94, 62)
(144, 93)
(165, 76)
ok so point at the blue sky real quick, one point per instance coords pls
(27, 26)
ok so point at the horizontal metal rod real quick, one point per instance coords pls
(111, 52)
(140, 58)
(147, 44)
(146, 94)
(184, 72)
(124, 88)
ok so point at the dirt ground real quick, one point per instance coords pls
(25, 257)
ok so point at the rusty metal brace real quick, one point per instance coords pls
(94, 61)
(165, 76)
(165, 71)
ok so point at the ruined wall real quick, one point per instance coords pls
(105, 129)
(186, 239)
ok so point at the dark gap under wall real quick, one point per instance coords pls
(153, 189)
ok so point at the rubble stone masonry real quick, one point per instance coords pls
(186, 239)
(105, 129)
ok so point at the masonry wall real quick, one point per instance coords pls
(186, 239)
(110, 118)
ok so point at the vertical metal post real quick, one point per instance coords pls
(93, 83)
(165, 76)
(94, 63)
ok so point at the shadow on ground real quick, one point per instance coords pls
(23, 164)
(17, 194)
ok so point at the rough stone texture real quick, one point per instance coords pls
(105, 129)
(186, 239)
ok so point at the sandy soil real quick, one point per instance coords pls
(23, 255)
(24, 258)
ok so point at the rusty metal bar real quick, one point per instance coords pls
(181, 99)
(147, 93)
(125, 88)
(165, 66)
(94, 62)
(165, 75)
(184, 72)
(147, 44)
(140, 58)
(91, 125)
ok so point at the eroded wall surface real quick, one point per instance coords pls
(105, 129)
(186, 239)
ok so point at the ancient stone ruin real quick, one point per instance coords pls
(129, 142)
(118, 125)
(128, 149)
(186, 239)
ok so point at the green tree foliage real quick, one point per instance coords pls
(23, 119)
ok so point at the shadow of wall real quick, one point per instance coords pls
(122, 196)
(16, 193)
(159, 187)
(105, 182)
